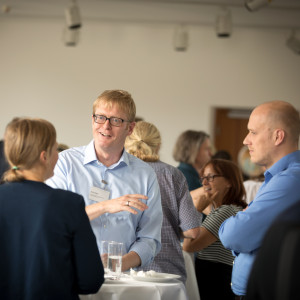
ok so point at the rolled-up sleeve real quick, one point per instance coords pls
(148, 241)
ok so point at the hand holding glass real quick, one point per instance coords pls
(115, 252)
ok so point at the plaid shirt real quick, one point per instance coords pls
(179, 215)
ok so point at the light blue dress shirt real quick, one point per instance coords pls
(78, 170)
(244, 233)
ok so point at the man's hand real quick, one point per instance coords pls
(124, 203)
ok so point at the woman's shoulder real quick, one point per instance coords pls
(234, 209)
(64, 194)
(39, 192)
(227, 209)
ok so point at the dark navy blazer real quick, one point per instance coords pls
(47, 247)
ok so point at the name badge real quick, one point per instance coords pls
(98, 194)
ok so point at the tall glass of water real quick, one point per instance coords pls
(115, 252)
(104, 254)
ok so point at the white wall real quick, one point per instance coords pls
(40, 77)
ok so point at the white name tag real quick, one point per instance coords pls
(98, 194)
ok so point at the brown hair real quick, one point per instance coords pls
(25, 139)
(188, 145)
(144, 142)
(236, 193)
(119, 97)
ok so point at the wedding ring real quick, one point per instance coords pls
(127, 203)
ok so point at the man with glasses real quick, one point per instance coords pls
(121, 192)
(272, 141)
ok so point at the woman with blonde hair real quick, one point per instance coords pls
(48, 249)
(180, 217)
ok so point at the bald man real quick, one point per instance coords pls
(273, 138)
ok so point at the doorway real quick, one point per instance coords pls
(230, 129)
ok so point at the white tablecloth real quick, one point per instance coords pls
(139, 290)
(191, 280)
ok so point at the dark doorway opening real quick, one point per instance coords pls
(230, 129)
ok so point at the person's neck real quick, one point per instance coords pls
(197, 169)
(34, 175)
(279, 154)
(108, 158)
(218, 201)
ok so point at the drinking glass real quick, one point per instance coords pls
(104, 254)
(115, 252)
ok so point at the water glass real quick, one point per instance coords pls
(104, 254)
(115, 252)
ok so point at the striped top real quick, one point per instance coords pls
(216, 251)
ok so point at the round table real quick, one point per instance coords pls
(130, 289)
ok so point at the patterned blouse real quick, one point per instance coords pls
(216, 251)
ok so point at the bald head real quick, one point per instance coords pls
(281, 115)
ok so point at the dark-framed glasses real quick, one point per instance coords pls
(114, 121)
(210, 177)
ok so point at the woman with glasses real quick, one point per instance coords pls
(48, 249)
(223, 196)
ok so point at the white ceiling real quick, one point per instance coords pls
(278, 14)
(288, 4)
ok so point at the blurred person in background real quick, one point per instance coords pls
(223, 197)
(222, 154)
(192, 150)
(180, 218)
(253, 174)
(61, 147)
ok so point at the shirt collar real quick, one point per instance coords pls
(282, 164)
(89, 153)
(90, 156)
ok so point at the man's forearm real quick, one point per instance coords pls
(130, 260)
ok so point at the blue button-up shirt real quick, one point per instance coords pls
(78, 170)
(243, 233)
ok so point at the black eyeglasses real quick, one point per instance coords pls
(114, 121)
(210, 178)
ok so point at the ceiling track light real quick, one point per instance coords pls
(181, 38)
(254, 5)
(72, 14)
(5, 8)
(293, 43)
(71, 37)
(223, 23)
